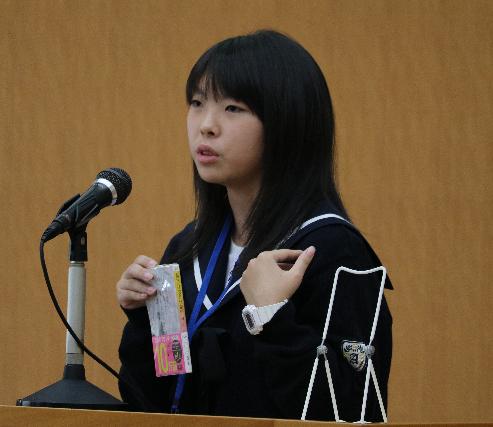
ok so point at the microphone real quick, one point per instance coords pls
(111, 187)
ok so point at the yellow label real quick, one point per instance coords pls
(179, 293)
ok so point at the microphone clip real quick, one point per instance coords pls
(60, 222)
(78, 235)
(78, 244)
(68, 203)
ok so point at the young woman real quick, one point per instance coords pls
(261, 135)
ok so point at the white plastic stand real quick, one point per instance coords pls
(322, 350)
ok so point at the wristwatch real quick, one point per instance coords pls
(256, 317)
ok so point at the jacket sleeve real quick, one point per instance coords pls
(136, 356)
(287, 347)
(137, 359)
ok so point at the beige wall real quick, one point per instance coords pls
(87, 85)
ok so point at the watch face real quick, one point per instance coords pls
(249, 320)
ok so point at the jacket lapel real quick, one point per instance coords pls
(321, 216)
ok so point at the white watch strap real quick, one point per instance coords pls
(266, 312)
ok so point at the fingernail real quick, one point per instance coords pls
(152, 263)
(150, 290)
(147, 276)
(143, 296)
(309, 250)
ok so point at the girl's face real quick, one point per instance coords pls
(226, 141)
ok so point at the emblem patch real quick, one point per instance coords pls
(356, 353)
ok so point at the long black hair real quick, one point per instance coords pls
(284, 87)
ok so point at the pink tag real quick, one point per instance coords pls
(170, 357)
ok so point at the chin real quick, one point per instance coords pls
(211, 179)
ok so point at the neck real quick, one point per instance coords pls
(241, 204)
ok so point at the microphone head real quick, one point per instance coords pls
(120, 180)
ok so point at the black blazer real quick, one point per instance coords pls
(237, 374)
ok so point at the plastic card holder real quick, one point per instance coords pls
(166, 311)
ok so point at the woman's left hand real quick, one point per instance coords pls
(268, 279)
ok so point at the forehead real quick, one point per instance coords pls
(209, 89)
(210, 84)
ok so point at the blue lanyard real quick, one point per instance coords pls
(195, 322)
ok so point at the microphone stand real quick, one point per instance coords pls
(73, 391)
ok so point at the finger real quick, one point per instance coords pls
(145, 261)
(136, 286)
(281, 255)
(131, 290)
(136, 271)
(130, 299)
(303, 262)
(130, 295)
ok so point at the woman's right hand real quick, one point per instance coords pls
(132, 289)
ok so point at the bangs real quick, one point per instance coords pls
(228, 70)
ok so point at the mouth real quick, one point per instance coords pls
(205, 150)
(206, 155)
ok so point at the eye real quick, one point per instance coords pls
(234, 109)
(195, 103)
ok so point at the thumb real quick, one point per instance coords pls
(302, 263)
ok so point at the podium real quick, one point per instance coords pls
(19, 416)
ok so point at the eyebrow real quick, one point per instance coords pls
(200, 92)
(205, 93)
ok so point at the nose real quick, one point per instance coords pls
(210, 125)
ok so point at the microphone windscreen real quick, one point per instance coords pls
(120, 180)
